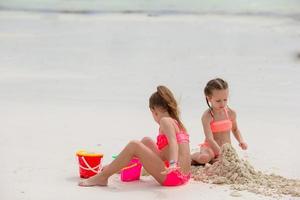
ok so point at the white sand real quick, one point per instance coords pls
(241, 175)
(70, 82)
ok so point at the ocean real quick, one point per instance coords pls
(158, 7)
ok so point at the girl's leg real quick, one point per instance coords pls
(150, 144)
(150, 161)
(204, 156)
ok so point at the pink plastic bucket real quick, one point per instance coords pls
(132, 172)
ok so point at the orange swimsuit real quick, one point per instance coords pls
(218, 127)
(222, 125)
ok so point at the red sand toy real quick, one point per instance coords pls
(89, 163)
(132, 172)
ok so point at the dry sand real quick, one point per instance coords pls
(240, 175)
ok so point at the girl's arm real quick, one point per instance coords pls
(167, 127)
(206, 118)
(236, 132)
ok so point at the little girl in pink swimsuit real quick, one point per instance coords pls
(174, 176)
(168, 160)
(218, 121)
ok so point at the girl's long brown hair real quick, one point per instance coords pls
(164, 98)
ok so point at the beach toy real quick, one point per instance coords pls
(89, 163)
(132, 171)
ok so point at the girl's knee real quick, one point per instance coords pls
(204, 158)
(201, 158)
(194, 156)
(146, 140)
(135, 143)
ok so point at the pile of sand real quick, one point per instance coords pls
(238, 173)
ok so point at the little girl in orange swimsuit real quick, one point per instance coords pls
(218, 121)
(169, 160)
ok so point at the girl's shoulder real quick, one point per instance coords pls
(206, 116)
(166, 121)
(231, 113)
(207, 112)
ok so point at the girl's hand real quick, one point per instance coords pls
(243, 145)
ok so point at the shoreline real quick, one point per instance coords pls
(154, 13)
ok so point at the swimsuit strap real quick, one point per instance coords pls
(226, 112)
(177, 123)
(212, 114)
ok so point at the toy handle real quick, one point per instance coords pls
(93, 169)
(130, 166)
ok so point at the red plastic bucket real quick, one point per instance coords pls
(89, 163)
(132, 172)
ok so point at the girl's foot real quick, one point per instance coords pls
(105, 167)
(195, 163)
(96, 180)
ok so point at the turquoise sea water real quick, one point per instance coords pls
(262, 7)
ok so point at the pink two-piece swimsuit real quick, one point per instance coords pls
(175, 177)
